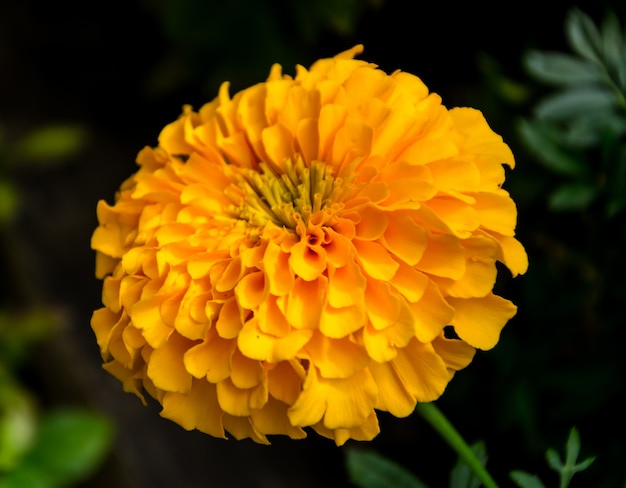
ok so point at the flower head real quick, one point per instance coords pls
(294, 255)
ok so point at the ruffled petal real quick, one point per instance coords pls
(341, 403)
(478, 321)
(197, 409)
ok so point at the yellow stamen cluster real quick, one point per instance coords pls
(288, 196)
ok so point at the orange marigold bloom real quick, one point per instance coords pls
(289, 257)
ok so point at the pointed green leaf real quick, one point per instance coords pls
(554, 460)
(621, 75)
(583, 36)
(560, 68)
(368, 469)
(572, 448)
(526, 480)
(612, 43)
(572, 196)
(592, 128)
(462, 476)
(584, 464)
(541, 140)
(576, 102)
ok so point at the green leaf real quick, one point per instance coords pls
(24, 479)
(368, 469)
(612, 43)
(572, 448)
(50, 145)
(542, 140)
(462, 476)
(592, 128)
(576, 102)
(554, 460)
(572, 196)
(583, 36)
(584, 464)
(70, 445)
(560, 68)
(621, 76)
(18, 419)
(526, 480)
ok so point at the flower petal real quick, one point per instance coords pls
(285, 380)
(166, 368)
(197, 409)
(342, 403)
(421, 370)
(393, 395)
(211, 358)
(444, 256)
(306, 261)
(375, 260)
(346, 286)
(272, 419)
(239, 401)
(336, 358)
(478, 321)
(256, 344)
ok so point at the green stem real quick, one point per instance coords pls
(443, 426)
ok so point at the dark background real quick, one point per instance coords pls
(122, 71)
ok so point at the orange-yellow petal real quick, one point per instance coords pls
(166, 368)
(256, 344)
(336, 358)
(342, 403)
(421, 370)
(393, 395)
(478, 321)
(197, 409)
(272, 419)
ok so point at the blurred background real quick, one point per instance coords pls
(83, 87)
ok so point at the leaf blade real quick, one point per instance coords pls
(368, 469)
(561, 68)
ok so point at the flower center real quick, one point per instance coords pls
(289, 197)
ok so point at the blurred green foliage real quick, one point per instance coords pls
(39, 447)
(368, 469)
(461, 475)
(565, 469)
(48, 145)
(559, 361)
(17, 422)
(45, 146)
(578, 130)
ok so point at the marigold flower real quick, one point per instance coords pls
(289, 257)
